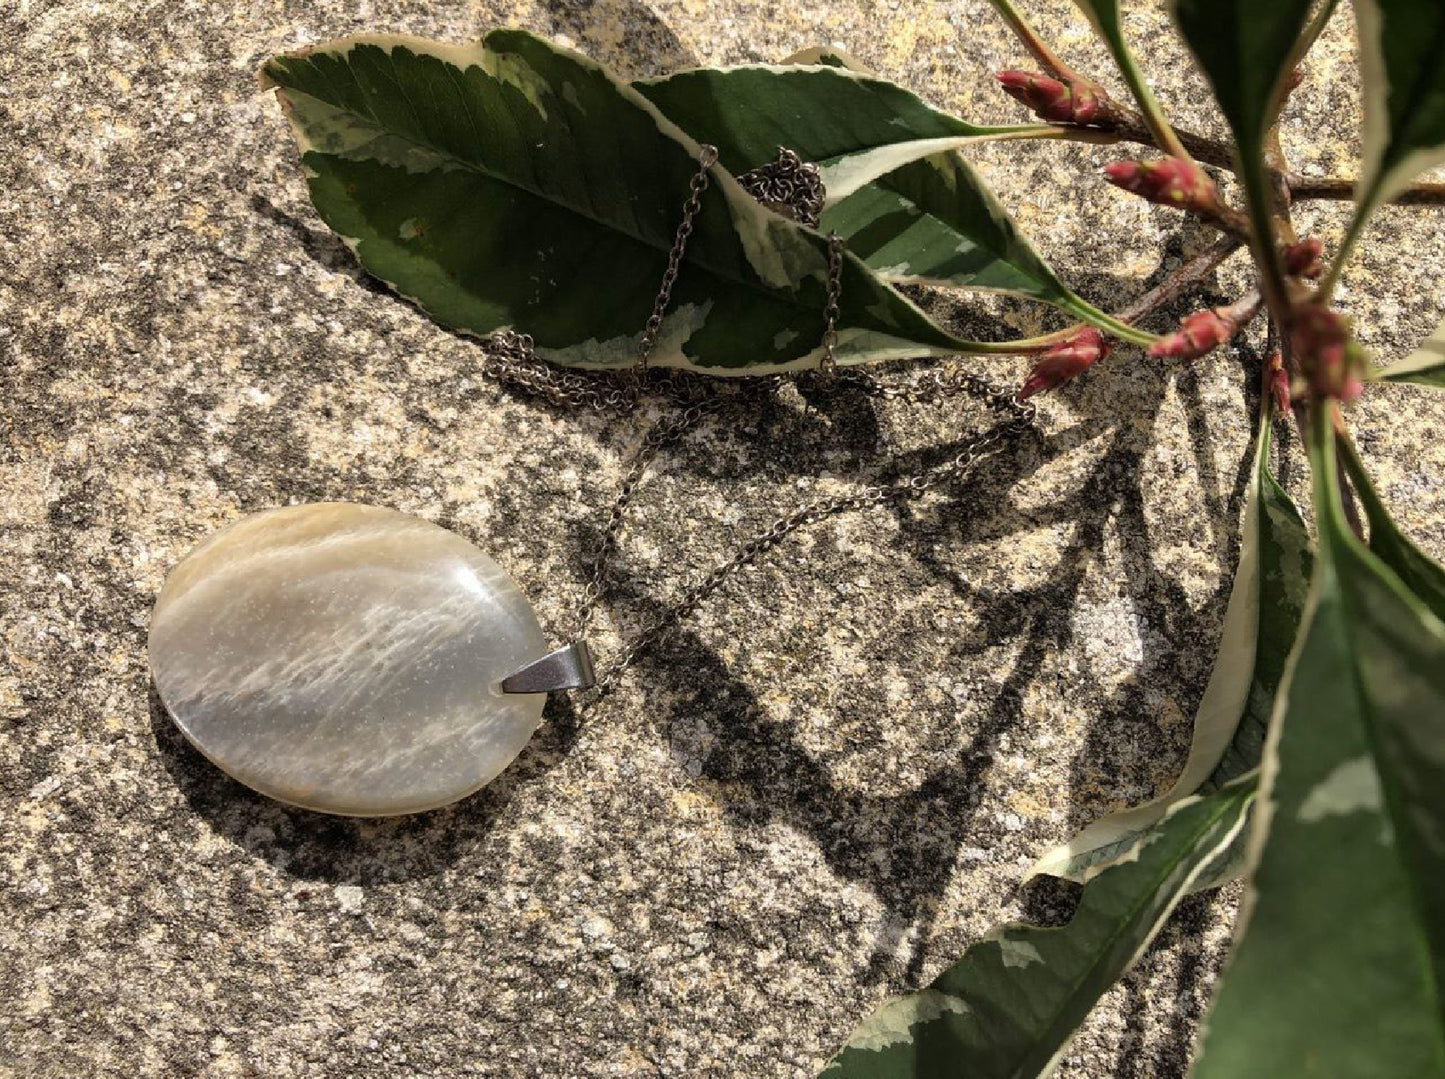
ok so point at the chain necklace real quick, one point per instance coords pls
(354, 660)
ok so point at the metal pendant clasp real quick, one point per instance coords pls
(569, 667)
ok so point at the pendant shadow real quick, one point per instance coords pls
(355, 850)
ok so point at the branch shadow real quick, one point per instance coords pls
(904, 848)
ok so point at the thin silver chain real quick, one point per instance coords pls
(794, 187)
(707, 158)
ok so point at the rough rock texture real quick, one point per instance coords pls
(816, 795)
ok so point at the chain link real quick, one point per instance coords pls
(690, 209)
(794, 187)
(1019, 418)
(788, 185)
(829, 364)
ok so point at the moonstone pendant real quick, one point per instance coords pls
(347, 659)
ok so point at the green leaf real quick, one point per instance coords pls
(854, 126)
(1401, 42)
(1260, 625)
(1420, 573)
(1425, 366)
(1339, 963)
(911, 208)
(935, 221)
(1246, 49)
(513, 184)
(1009, 1007)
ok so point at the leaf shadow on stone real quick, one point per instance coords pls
(349, 850)
(648, 45)
(321, 245)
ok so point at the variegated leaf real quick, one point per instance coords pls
(515, 184)
(1245, 49)
(1401, 42)
(1420, 573)
(1425, 366)
(1339, 963)
(854, 126)
(1260, 625)
(1009, 1007)
(913, 210)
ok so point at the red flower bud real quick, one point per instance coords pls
(1276, 382)
(1170, 181)
(1328, 357)
(1197, 334)
(1303, 259)
(1077, 352)
(1050, 99)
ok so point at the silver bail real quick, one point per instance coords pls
(569, 667)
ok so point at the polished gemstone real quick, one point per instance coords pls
(346, 658)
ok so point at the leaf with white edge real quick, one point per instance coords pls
(935, 221)
(1420, 573)
(514, 184)
(855, 127)
(1339, 963)
(1009, 1007)
(1260, 625)
(1246, 49)
(1424, 367)
(913, 214)
(1401, 42)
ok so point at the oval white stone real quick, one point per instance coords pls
(346, 658)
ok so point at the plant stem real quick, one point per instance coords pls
(1029, 38)
(1154, 120)
(1112, 324)
(1130, 127)
(1334, 187)
(1066, 132)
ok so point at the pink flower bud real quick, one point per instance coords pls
(1050, 99)
(1170, 181)
(1331, 362)
(1303, 259)
(1077, 352)
(1197, 334)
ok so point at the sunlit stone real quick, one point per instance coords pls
(346, 659)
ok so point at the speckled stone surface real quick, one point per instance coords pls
(818, 794)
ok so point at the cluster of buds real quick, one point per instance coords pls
(1073, 102)
(1304, 259)
(1330, 361)
(1170, 181)
(1203, 331)
(1075, 353)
